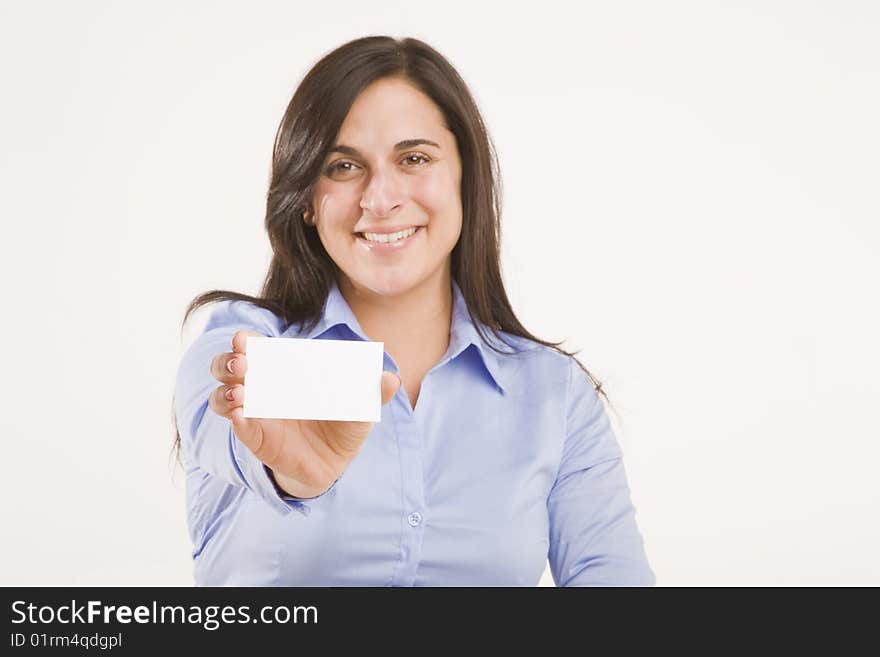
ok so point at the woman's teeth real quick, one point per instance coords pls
(390, 237)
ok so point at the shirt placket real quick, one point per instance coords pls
(413, 513)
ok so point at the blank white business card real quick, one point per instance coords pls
(306, 379)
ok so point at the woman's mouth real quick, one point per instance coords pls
(388, 242)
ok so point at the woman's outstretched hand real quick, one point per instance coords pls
(305, 456)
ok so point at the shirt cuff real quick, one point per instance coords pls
(284, 495)
(255, 476)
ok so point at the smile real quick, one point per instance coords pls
(388, 242)
(389, 237)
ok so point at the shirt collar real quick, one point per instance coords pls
(463, 333)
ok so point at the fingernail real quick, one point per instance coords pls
(229, 365)
(228, 394)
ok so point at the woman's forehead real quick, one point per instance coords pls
(391, 111)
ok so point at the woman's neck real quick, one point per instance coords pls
(414, 326)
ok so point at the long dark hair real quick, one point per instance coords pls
(301, 271)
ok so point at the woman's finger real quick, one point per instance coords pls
(224, 399)
(227, 401)
(239, 340)
(390, 385)
(229, 368)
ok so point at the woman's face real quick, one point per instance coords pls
(394, 167)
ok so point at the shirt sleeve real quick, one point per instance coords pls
(207, 440)
(594, 538)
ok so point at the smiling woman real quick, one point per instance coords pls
(494, 452)
(389, 211)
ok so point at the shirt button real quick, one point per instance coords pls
(415, 518)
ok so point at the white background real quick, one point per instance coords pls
(691, 199)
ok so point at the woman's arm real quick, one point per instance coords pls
(594, 538)
(207, 440)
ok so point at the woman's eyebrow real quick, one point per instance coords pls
(399, 146)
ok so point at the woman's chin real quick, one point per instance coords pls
(388, 284)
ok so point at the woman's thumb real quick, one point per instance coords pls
(390, 385)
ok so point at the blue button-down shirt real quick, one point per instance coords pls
(508, 460)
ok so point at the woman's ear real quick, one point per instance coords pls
(307, 216)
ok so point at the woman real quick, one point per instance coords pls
(494, 451)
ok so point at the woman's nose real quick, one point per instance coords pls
(382, 194)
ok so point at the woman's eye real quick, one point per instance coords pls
(415, 159)
(342, 166)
